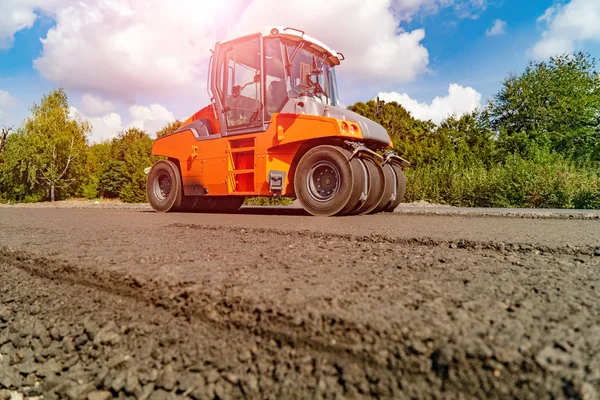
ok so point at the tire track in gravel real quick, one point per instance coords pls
(181, 302)
(70, 342)
(396, 352)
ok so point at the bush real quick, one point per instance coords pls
(543, 180)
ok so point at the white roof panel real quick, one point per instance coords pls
(291, 33)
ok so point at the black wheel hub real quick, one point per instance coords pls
(162, 185)
(323, 181)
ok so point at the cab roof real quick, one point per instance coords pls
(296, 35)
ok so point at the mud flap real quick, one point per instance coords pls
(365, 191)
(392, 158)
(276, 179)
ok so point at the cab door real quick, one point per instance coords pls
(237, 86)
(237, 92)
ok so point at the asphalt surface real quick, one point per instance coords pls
(271, 303)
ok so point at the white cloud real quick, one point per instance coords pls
(17, 15)
(367, 32)
(122, 49)
(151, 119)
(103, 128)
(567, 27)
(127, 48)
(95, 106)
(470, 8)
(148, 118)
(459, 100)
(407, 9)
(498, 28)
(7, 102)
(106, 127)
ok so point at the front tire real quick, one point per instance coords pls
(376, 187)
(325, 181)
(400, 188)
(163, 186)
(388, 191)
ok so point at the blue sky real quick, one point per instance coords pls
(128, 82)
(460, 51)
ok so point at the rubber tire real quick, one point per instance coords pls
(400, 188)
(376, 187)
(388, 190)
(175, 197)
(348, 192)
(359, 182)
(219, 204)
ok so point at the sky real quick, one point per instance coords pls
(143, 63)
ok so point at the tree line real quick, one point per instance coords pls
(535, 144)
(49, 158)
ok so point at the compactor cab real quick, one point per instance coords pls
(275, 128)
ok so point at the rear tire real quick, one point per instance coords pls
(324, 181)
(388, 189)
(400, 188)
(163, 186)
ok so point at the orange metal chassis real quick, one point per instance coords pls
(240, 164)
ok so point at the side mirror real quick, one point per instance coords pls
(305, 74)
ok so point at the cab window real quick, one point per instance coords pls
(277, 91)
(240, 84)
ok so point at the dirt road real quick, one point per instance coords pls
(274, 304)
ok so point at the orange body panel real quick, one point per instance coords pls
(240, 164)
(208, 113)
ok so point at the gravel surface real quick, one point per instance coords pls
(127, 303)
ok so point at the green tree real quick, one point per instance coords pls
(169, 128)
(553, 104)
(136, 157)
(112, 179)
(49, 154)
(465, 140)
(408, 134)
(14, 170)
(123, 171)
(99, 157)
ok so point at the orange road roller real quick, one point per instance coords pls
(275, 128)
